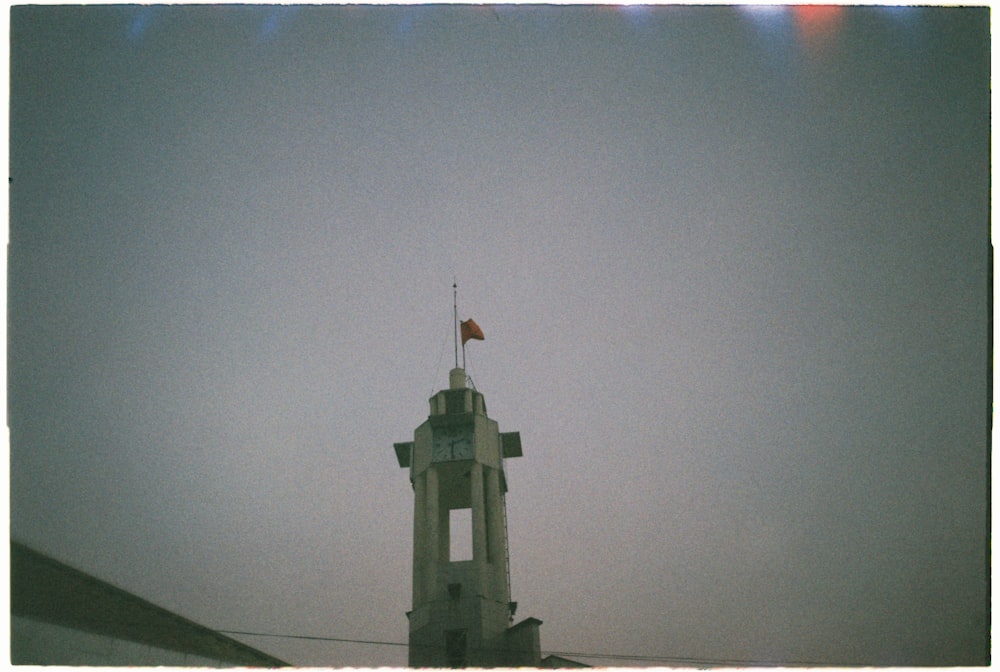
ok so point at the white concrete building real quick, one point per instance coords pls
(462, 609)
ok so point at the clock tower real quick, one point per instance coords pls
(462, 611)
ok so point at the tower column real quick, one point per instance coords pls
(433, 545)
(478, 513)
(444, 535)
(419, 536)
(497, 534)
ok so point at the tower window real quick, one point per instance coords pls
(460, 535)
(454, 590)
(455, 648)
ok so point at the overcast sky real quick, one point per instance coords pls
(732, 267)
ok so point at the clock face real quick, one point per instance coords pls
(451, 444)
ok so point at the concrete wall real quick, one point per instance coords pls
(523, 642)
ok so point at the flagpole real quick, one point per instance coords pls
(454, 286)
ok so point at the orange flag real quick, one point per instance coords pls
(471, 330)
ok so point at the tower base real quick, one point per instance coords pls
(441, 636)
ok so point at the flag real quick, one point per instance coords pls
(471, 330)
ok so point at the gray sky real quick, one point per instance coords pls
(732, 267)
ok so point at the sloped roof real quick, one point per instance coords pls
(48, 590)
(558, 662)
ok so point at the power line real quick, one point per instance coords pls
(722, 662)
(320, 639)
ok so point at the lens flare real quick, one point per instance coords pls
(817, 25)
(140, 22)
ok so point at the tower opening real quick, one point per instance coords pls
(460, 535)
